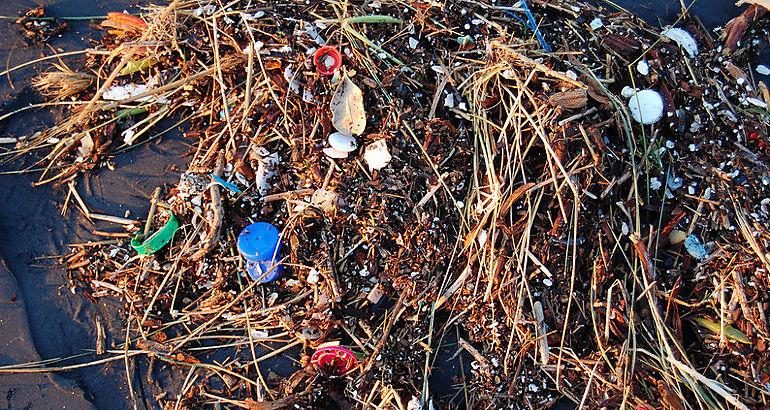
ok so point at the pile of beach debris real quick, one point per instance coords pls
(564, 200)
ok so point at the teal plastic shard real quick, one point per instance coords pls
(159, 239)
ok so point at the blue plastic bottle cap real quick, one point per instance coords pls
(259, 243)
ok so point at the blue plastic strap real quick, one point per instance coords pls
(228, 185)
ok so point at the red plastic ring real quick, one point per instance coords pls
(319, 59)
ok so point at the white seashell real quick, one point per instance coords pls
(377, 155)
(684, 39)
(646, 106)
(333, 153)
(342, 142)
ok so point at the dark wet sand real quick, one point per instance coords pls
(39, 316)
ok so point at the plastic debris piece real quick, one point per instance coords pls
(311, 333)
(327, 60)
(729, 331)
(695, 248)
(763, 70)
(228, 185)
(655, 183)
(684, 39)
(596, 23)
(342, 142)
(347, 106)
(259, 244)
(334, 360)
(463, 40)
(157, 240)
(377, 155)
(674, 182)
(646, 106)
(375, 295)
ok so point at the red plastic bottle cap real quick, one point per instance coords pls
(334, 360)
(327, 60)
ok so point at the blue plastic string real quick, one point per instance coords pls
(533, 26)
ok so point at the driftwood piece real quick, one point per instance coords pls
(212, 238)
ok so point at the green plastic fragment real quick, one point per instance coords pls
(158, 239)
(730, 332)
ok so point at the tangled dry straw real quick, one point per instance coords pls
(517, 229)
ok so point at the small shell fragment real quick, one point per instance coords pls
(684, 39)
(333, 153)
(342, 142)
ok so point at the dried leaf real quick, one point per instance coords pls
(347, 106)
(736, 27)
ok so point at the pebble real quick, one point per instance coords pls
(676, 237)
(646, 106)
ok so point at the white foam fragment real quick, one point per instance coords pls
(643, 67)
